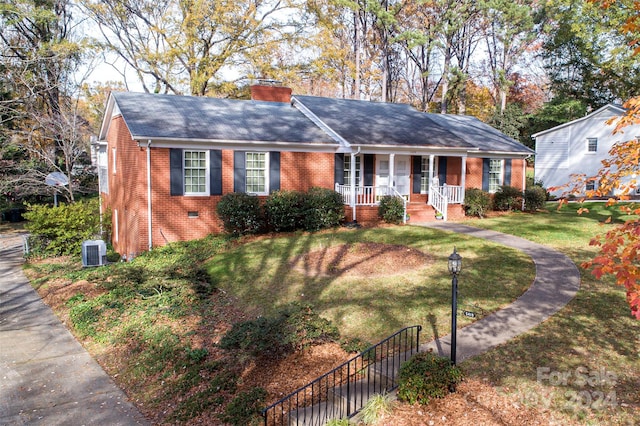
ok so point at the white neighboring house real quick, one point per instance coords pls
(578, 147)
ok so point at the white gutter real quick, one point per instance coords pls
(149, 211)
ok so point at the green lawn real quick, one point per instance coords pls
(259, 273)
(584, 362)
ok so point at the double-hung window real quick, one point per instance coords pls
(351, 172)
(196, 173)
(592, 145)
(495, 175)
(257, 173)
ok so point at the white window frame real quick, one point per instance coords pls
(595, 144)
(190, 167)
(265, 171)
(348, 170)
(495, 184)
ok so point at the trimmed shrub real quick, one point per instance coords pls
(426, 376)
(284, 210)
(295, 326)
(476, 202)
(391, 209)
(507, 198)
(241, 213)
(323, 208)
(61, 230)
(534, 198)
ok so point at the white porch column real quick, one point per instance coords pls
(392, 171)
(463, 180)
(431, 162)
(353, 185)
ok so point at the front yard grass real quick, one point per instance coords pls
(584, 362)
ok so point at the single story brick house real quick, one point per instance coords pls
(165, 160)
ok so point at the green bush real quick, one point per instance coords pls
(476, 202)
(391, 209)
(246, 408)
(284, 210)
(323, 208)
(426, 376)
(534, 198)
(507, 198)
(294, 326)
(61, 230)
(241, 213)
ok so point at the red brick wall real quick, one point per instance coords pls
(304, 170)
(127, 193)
(517, 173)
(474, 173)
(270, 93)
(454, 168)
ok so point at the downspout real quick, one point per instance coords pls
(353, 183)
(524, 179)
(149, 211)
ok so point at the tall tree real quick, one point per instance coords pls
(41, 56)
(509, 26)
(185, 45)
(586, 51)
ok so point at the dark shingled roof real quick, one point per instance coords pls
(376, 123)
(153, 116)
(479, 134)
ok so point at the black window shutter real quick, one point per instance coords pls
(239, 172)
(485, 174)
(274, 171)
(368, 169)
(339, 169)
(417, 173)
(507, 172)
(215, 172)
(175, 171)
(442, 170)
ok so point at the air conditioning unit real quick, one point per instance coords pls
(94, 253)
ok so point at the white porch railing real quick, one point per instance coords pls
(370, 196)
(441, 196)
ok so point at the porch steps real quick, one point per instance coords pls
(420, 212)
(355, 397)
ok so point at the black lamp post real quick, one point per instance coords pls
(455, 266)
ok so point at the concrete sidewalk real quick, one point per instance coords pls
(556, 283)
(46, 376)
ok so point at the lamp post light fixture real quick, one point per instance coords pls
(455, 266)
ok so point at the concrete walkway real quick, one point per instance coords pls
(556, 283)
(46, 376)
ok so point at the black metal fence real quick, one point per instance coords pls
(343, 391)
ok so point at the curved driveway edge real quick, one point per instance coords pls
(46, 376)
(556, 283)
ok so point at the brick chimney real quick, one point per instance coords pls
(270, 92)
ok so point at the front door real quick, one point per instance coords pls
(401, 174)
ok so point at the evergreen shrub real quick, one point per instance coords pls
(426, 376)
(241, 213)
(476, 202)
(507, 198)
(391, 209)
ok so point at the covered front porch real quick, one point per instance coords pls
(429, 182)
